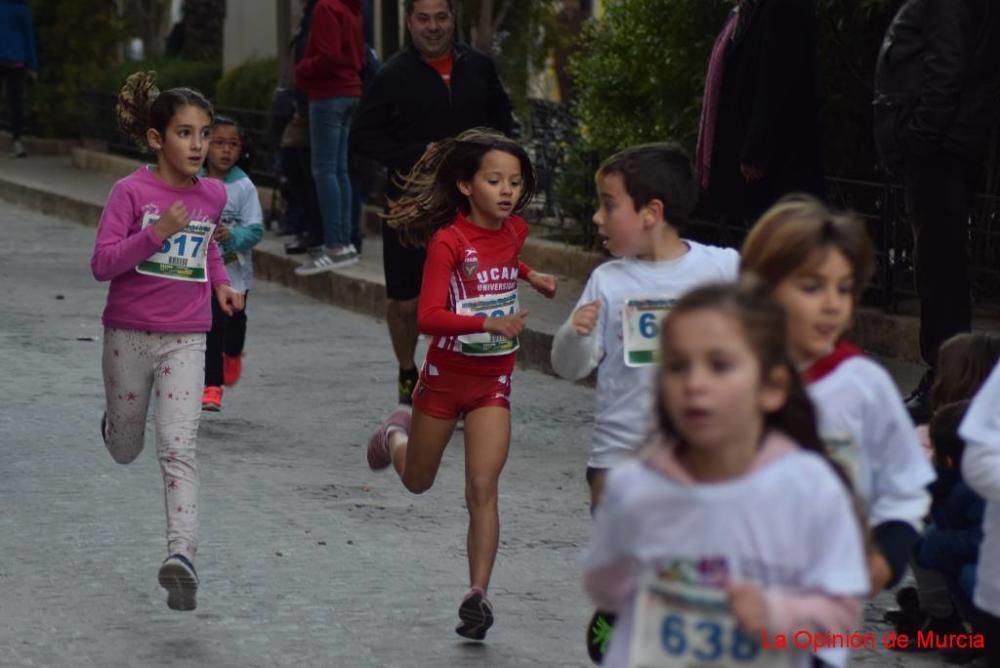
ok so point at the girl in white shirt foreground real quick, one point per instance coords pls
(816, 265)
(731, 524)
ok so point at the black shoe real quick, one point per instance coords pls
(407, 381)
(918, 404)
(476, 615)
(599, 635)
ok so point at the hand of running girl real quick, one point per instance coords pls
(749, 607)
(545, 284)
(508, 325)
(585, 317)
(230, 300)
(222, 233)
(173, 221)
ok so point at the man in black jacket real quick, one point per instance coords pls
(429, 91)
(937, 98)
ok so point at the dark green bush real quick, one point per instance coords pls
(170, 73)
(77, 41)
(639, 77)
(248, 86)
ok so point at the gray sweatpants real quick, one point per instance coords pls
(172, 367)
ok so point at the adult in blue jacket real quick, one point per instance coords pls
(18, 59)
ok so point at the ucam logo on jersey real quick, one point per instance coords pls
(470, 263)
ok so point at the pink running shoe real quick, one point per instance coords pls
(379, 456)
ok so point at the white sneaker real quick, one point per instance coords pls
(18, 150)
(345, 255)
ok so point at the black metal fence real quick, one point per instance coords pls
(881, 205)
(97, 122)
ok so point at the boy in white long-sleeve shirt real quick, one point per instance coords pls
(646, 195)
(981, 469)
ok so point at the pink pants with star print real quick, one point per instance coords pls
(170, 368)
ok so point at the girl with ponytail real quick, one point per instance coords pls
(155, 246)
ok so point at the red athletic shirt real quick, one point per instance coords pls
(444, 66)
(465, 261)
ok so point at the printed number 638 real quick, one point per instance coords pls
(712, 645)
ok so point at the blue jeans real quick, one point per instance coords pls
(329, 128)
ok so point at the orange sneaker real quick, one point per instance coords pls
(232, 367)
(211, 400)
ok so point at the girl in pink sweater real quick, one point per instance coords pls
(731, 535)
(154, 244)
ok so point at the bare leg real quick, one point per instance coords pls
(597, 488)
(417, 456)
(402, 320)
(487, 441)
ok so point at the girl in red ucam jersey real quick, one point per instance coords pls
(461, 200)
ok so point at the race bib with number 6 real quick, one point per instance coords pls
(485, 344)
(641, 319)
(183, 256)
(679, 626)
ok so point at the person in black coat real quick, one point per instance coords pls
(429, 91)
(937, 101)
(765, 136)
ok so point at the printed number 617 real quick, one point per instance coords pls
(182, 244)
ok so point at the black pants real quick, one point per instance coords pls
(297, 169)
(13, 80)
(989, 626)
(227, 336)
(938, 191)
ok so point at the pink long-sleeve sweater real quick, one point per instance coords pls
(153, 303)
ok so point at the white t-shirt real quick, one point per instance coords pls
(624, 398)
(786, 525)
(981, 469)
(866, 428)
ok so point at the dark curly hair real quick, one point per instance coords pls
(141, 106)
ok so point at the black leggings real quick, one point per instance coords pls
(13, 80)
(227, 336)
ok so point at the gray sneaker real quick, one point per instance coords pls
(345, 255)
(316, 264)
(18, 150)
(178, 577)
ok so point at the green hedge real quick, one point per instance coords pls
(77, 40)
(170, 73)
(249, 86)
(640, 77)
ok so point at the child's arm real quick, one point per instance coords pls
(900, 499)
(834, 579)
(116, 252)
(250, 231)
(578, 346)
(758, 611)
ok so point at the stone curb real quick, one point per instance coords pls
(37, 146)
(883, 334)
